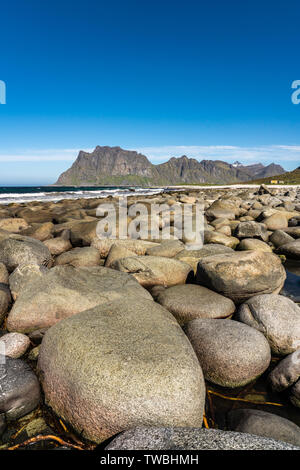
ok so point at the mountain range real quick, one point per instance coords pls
(115, 166)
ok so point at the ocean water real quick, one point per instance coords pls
(54, 193)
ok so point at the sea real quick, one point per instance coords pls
(54, 193)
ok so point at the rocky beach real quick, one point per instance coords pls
(152, 343)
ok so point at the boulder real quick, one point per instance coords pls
(121, 365)
(264, 424)
(40, 232)
(58, 245)
(159, 438)
(154, 270)
(253, 244)
(290, 250)
(14, 344)
(168, 248)
(295, 394)
(286, 373)
(17, 249)
(241, 275)
(20, 390)
(230, 353)
(13, 225)
(77, 257)
(3, 274)
(277, 317)
(5, 300)
(117, 251)
(25, 272)
(64, 291)
(279, 237)
(220, 239)
(187, 302)
(139, 247)
(252, 229)
(83, 233)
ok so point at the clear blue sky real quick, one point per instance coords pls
(166, 77)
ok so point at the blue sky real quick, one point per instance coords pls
(207, 79)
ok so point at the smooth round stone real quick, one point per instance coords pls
(5, 300)
(79, 257)
(120, 365)
(220, 239)
(264, 424)
(58, 245)
(117, 252)
(279, 237)
(14, 344)
(230, 353)
(2, 424)
(188, 301)
(64, 291)
(251, 229)
(23, 274)
(19, 388)
(155, 438)
(241, 275)
(150, 271)
(168, 248)
(295, 394)
(286, 373)
(276, 221)
(3, 274)
(139, 247)
(17, 249)
(277, 317)
(290, 250)
(253, 244)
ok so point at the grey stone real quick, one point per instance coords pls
(121, 365)
(64, 291)
(295, 394)
(277, 317)
(286, 373)
(168, 248)
(241, 275)
(264, 424)
(279, 238)
(150, 271)
(230, 353)
(253, 244)
(17, 249)
(189, 301)
(19, 388)
(14, 344)
(23, 274)
(155, 438)
(78, 257)
(252, 229)
(290, 250)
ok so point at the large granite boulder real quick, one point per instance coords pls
(64, 291)
(121, 365)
